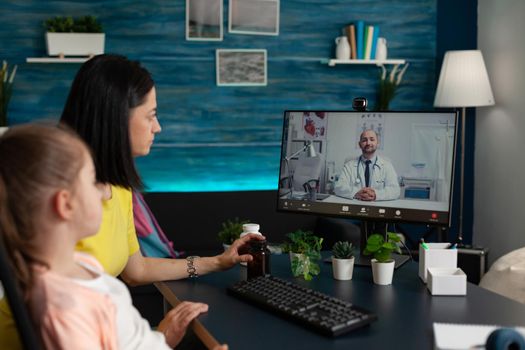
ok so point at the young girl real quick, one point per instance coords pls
(49, 200)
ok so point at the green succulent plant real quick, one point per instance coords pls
(231, 230)
(380, 249)
(307, 249)
(85, 24)
(343, 250)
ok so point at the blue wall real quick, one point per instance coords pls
(224, 138)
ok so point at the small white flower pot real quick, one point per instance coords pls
(343, 269)
(383, 272)
(75, 44)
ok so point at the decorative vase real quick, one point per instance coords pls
(342, 51)
(381, 50)
(343, 269)
(3, 129)
(383, 272)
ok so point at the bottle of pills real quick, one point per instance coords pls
(250, 228)
(260, 265)
(247, 229)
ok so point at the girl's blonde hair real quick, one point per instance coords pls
(35, 160)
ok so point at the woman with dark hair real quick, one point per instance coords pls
(112, 105)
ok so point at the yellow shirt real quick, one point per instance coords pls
(116, 239)
(112, 246)
(8, 333)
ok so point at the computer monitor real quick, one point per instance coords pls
(323, 165)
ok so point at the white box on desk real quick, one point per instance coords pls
(437, 255)
(447, 281)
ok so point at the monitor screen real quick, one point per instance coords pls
(386, 166)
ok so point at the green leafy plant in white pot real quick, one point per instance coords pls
(305, 252)
(6, 89)
(230, 231)
(381, 250)
(343, 260)
(68, 36)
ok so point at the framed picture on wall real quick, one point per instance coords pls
(204, 20)
(256, 17)
(246, 67)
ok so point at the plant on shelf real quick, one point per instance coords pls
(381, 250)
(85, 24)
(231, 230)
(343, 260)
(68, 36)
(6, 89)
(388, 86)
(305, 252)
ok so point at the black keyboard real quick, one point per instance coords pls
(322, 313)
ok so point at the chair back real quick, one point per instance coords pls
(26, 331)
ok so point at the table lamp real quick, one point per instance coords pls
(463, 82)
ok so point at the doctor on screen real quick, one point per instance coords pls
(369, 177)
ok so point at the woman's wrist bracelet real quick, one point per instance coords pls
(192, 271)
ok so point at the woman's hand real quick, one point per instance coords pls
(176, 321)
(235, 254)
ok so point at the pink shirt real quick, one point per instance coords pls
(70, 315)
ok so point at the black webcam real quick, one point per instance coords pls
(360, 104)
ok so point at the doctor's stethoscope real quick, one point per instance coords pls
(358, 178)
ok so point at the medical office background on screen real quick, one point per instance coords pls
(420, 145)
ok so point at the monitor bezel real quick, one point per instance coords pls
(449, 213)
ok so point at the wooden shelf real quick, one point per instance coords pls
(56, 59)
(333, 62)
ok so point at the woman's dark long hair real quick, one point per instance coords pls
(98, 108)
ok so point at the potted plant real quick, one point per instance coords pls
(305, 252)
(230, 231)
(343, 260)
(6, 89)
(381, 250)
(68, 36)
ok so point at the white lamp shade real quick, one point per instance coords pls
(463, 81)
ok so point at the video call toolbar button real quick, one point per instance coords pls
(345, 208)
(382, 211)
(398, 212)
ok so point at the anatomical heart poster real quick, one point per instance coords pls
(314, 125)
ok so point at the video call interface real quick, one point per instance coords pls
(395, 166)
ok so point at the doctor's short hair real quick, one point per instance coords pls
(103, 92)
(378, 137)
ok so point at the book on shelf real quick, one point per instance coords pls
(374, 43)
(369, 34)
(350, 34)
(359, 39)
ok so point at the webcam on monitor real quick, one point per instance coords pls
(360, 104)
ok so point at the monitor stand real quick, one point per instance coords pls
(369, 228)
